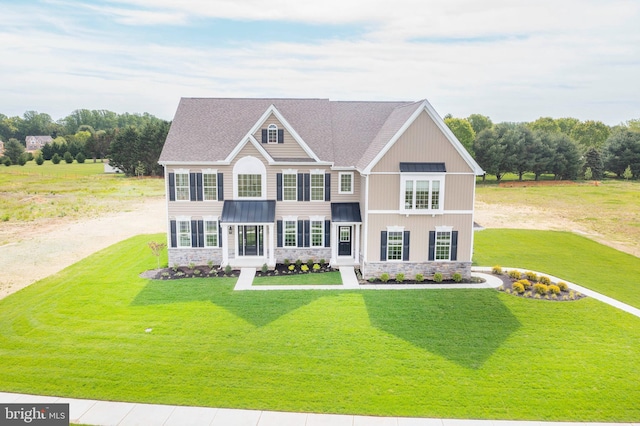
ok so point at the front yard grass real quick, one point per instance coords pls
(433, 353)
(319, 278)
(565, 255)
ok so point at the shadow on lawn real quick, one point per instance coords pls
(461, 326)
(258, 309)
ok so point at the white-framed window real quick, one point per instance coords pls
(182, 185)
(395, 243)
(272, 133)
(249, 186)
(317, 186)
(249, 179)
(183, 231)
(289, 186)
(317, 231)
(210, 186)
(211, 232)
(421, 193)
(290, 232)
(345, 184)
(443, 243)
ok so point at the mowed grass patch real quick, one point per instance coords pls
(433, 353)
(301, 279)
(33, 192)
(565, 255)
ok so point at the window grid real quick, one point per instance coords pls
(317, 187)
(394, 245)
(346, 183)
(184, 233)
(290, 233)
(211, 233)
(249, 186)
(435, 195)
(289, 187)
(317, 233)
(443, 245)
(422, 194)
(408, 195)
(182, 186)
(345, 234)
(210, 186)
(272, 133)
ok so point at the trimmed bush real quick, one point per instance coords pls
(563, 286)
(304, 268)
(497, 269)
(545, 280)
(531, 276)
(298, 263)
(419, 278)
(265, 268)
(554, 289)
(517, 287)
(437, 277)
(39, 160)
(525, 283)
(457, 277)
(56, 158)
(399, 277)
(540, 288)
(287, 262)
(80, 158)
(516, 275)
(384, 277)
(227, 270)
(68, 158)
(316, 267)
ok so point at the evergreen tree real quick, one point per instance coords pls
(593, 160)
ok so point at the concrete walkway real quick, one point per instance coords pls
(108, 413)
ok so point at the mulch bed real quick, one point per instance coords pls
(530, 293)
(204, 271)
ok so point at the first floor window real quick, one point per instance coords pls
(317, 233)
(394, 245)
(211, 233)
(250, 186)
(317, 187)
(184, 233)
(290, 232)
(209, 184)
(182, 186)
(443, 245)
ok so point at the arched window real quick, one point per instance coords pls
(272, 133)
(250, 179)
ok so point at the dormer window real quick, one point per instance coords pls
(272, 133)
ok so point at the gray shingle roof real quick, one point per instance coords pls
(345, 133)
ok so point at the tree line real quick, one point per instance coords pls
(131, 142)
(565, 147)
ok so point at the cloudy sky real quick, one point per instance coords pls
(513, 60)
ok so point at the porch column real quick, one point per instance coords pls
(334, 244)
(225, 245)
(272, 245)
(356, 254)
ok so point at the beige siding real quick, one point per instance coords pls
(459, 192)
(345, 198)
(419, 226)
(384, 193)
(422, 142)
(289, 149)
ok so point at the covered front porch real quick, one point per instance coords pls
(346, 222)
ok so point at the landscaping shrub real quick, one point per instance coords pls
(265, 268)
(525, 283)
(545, 280)
(419, 278)
(384, 277)
(7, 161)
(554, 289)
(540, 288)
(68, 158)
(563, 286)
(518, 287)
(310, 263)
(457, 277)
(298, 263)
(304, 268)
(227, 270)
(316, 267)
(437, 277)
(516, 275)
(22, 160)
(287, 262)
(531, 276)
(291, 268)
(399, 278)
(39, 160)
(56, 158)
(497, 269)
(80, 158)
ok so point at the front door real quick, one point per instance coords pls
(249, 240)
(344, 241)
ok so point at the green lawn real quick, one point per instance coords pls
(563, 254)
(301, 279)
(433, 353)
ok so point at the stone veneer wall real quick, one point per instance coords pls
(410, 269)
(304, 254)
(199, 256)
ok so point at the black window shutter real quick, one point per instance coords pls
(264, 135)
(327, 233)
(279, 232)
(280, 135)
(192, 186)
(220, 183)
(172, 186)
(383, 245)
(199, 188)
(307, 187)
(307, 231)
(432, 245)
(327, 186)
(200, 233)
(279, 186)
(300, 187)
(454, 245)
(300, 233)
(405, 246)
(174, 236)
(194, 233)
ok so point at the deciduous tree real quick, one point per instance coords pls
(462, 129)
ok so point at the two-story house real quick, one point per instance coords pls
(383, 186)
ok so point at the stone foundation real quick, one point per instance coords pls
(304, 254)
(199, 256)
(410, 269)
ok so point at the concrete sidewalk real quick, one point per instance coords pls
(108, 413)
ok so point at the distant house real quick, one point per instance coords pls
(109, 168)
(383, 186)
(35, 143)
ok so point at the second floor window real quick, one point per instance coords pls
(250, 186)
(289, 187)
(182, 186)
(421, 195)
(210, 186)
(317, 187)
